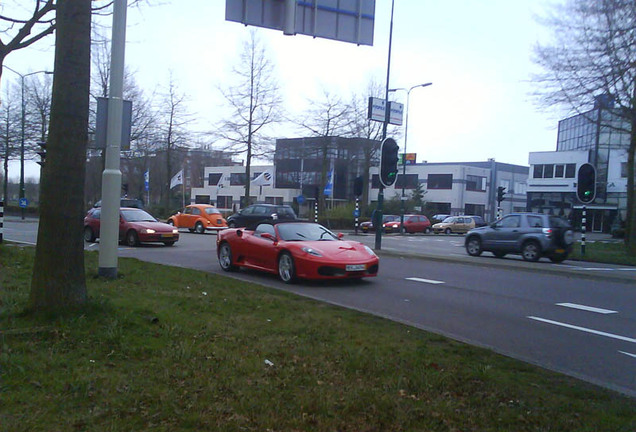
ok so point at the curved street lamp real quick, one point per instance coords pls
(406, 135)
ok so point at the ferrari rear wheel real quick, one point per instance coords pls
(225, 258)
(286, 268)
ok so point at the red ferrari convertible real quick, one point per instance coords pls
(295, 250)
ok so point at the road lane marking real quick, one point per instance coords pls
(628, 354)
(429, 281)
(596, 332)
(587, 308)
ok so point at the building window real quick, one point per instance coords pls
(570, 170)
(237, 179)
(548, 171)
(274, 200)
(559, 171)
(410, 183)
(623, 169)
(475, 183)
(537, 171)
(224, 202)
(475, 209)
(439, 181)
(213, 179)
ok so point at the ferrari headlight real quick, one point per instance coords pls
(311, 251)
(369, 250)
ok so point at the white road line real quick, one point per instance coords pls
(587, 308)
(596, 332)
(429, 281)
(628, 354)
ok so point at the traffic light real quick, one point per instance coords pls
(42, 152)
(358, 186)
(501, 192)
(586, 183)
(389, 162)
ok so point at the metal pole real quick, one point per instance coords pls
(357, 218)
(23, 122)
(1, 219)
(111, 177)
(583, 229)
(378, 221)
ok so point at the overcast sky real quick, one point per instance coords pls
(476, 53)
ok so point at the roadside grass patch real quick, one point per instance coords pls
(174, 349)
(603, 252)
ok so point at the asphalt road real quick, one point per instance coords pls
(574, 318)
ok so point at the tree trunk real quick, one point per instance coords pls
(58, 275)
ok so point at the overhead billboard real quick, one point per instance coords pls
(343, 20)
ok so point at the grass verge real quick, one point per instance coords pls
(173, 349)
(604, 252)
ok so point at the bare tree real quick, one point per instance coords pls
(174, 134)
(594, 54)
(58, 275)
(9, 134)
(39, 107)
(255, 103)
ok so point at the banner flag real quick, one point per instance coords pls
(177, 179)
(265, 179)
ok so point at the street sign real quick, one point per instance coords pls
(356, 213)
(23, 202)
(377, 111)
(346, 21)
(300, 199)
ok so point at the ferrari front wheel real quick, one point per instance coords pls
(286, 268)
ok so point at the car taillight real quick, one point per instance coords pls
(547, 231)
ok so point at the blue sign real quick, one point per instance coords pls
(300, 199)
(356, 213)
(23, 202)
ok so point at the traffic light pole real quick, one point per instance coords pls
(583, 228)
(378, 217)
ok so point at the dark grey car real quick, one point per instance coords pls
(255, 213)
(532, 235)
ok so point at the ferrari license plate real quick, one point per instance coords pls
(355, 267)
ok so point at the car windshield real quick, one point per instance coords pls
(390, 218)
(449, 220)
(136, 215)
(304, 232)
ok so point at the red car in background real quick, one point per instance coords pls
(295, 250)
(412, 224)
(135, 226)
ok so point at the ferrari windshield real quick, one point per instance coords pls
(304, 231)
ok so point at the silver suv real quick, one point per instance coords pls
(532, 235)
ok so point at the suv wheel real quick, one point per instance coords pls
(473, 246)
(531, 251)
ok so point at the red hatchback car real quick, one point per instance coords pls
(295, 250)
(135, 226)
(412, 224)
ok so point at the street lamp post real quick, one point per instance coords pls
(406, 135)
(23, 127)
